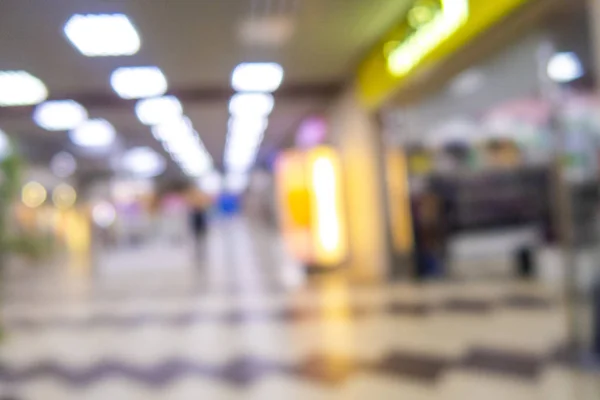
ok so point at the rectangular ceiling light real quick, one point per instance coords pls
(19, 88)
(251, 105)
(173, 129)
(59, 115)
(157, 110)
(138, 82)
(94, 133)
(257, 77)
(100, 35)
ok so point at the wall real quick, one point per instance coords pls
(354, 132)
(594, 7)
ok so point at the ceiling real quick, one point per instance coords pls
(196, 43)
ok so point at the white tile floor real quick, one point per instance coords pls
(167, 329)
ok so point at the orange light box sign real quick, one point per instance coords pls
(311, 206)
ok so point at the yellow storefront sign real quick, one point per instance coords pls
(431, 31)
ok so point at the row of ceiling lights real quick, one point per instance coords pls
(113, 35)
(249, 110)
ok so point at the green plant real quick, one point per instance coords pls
(14, 243)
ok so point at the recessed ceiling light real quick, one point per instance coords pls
(173, 129)
(97, 35)
(157, 110)
(63, 164)
(93, 133)
(59, 115)
(267, 30)
(565, 67)
(19, 88)
(251, 104)
(144, 162)
(138, 82)
(248, 125)
(257, 77)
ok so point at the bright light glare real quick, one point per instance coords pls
(411, 51)
(138, 82)
(19, 88)
(4, 145)
(64, 196)
(144, 162)
(63, 164)
(175, 129)
(323, 176)
(158, 110)
(257, 77)
(565, 67)
(248, 125)
(183, 143)
(59, 115)
(104, 214)
(93, 133)
(33, 194)
(211, 183)
(251, 104)
(97, 35)
(236, 183)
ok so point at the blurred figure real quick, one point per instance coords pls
(198, 203)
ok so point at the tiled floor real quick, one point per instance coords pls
(246, 325)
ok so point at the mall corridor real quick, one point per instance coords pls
(299, 199)
(246, 324)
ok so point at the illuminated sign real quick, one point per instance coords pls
(432, 23)
(309, 190)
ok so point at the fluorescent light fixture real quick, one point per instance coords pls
(143, 162)
(19, 88)
(173, 129)
(93, 133)
(5, 148)
(248, 125)
(97, 35)
(251, 104)
(63, 164)
(257, 77)
(138, 82)
(59, 115)
(412, 50)
(156, 110)
(565, 67)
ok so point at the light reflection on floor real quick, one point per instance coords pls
(244, 323)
